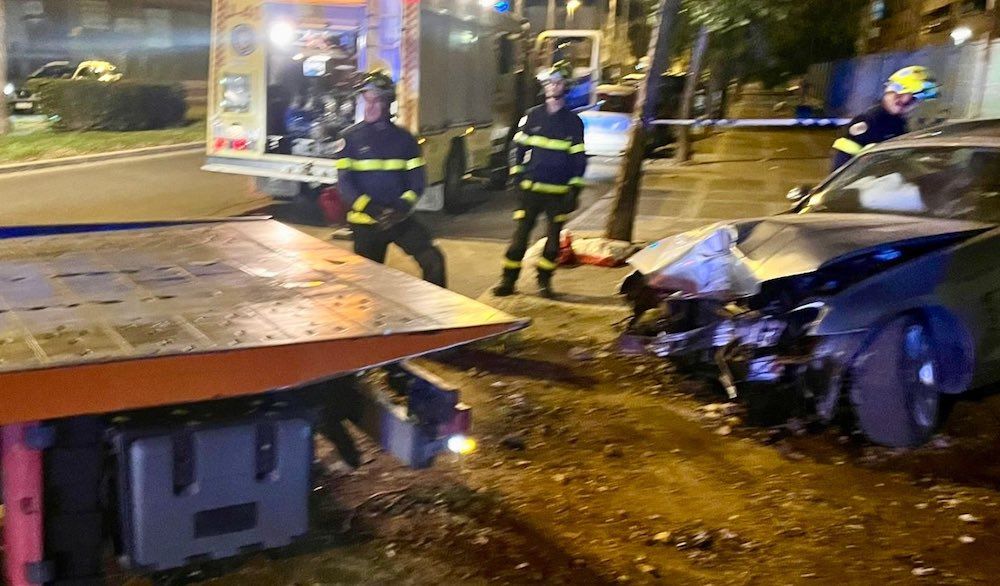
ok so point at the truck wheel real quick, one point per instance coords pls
(895, 384)
(498, 178)
(305, 206)
(454, 173)
(500, 169)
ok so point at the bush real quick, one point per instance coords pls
(82, 104)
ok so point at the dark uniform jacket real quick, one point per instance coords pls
(379, 168)
(872, 127)
(551, 156)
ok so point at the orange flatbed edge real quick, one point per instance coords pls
(109, 321)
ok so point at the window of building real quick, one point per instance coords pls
(878, 11)
(974, 6)
(937, 20)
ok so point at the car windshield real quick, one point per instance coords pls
(938, 182)
(50, 70)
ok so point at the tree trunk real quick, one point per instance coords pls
(690, 88)
(622, 219)
(4, 121)
(625, 35)
(612, 36)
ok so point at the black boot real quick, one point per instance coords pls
(507, 282)
(545, 285)
(505, 288)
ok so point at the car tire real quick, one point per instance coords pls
(454, 180)
(894, 383)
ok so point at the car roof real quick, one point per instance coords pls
(980, 132)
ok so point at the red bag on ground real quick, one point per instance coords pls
(566, 255)
(333, 208)
(603, 252)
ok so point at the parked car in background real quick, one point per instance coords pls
(606, 126)
(22, 100)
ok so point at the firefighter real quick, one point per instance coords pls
(548, 171)
(887, 119)
(381, 175)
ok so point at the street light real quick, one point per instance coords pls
(571, 7)
(961, 34)
(282, 33)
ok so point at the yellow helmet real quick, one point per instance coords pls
(560, 71)
(915, 80)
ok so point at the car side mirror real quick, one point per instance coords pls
(798, 193)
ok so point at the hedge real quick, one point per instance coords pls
(83, 104)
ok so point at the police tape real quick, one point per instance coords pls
(755, 122)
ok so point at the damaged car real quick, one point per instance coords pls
(874, 296)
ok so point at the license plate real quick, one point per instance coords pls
(23, 105)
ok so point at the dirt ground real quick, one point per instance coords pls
(594, 468)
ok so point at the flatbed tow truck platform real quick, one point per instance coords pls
(105, 325)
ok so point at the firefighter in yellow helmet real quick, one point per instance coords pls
(887, 119)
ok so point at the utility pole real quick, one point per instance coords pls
(612, 30)
(622, 220)
(625, 44)
(4, 121)
(690, 88)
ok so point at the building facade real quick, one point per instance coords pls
(907, 25)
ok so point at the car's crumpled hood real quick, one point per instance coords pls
(795, 244)
(733, 259)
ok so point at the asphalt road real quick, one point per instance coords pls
(173, 186)
(157, 187)
(165, 187)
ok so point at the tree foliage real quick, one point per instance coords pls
(766, 39)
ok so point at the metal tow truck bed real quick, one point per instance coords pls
(106, 321)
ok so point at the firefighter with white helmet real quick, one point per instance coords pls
(381, 175)
(548, 170)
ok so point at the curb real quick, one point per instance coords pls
(99, 157)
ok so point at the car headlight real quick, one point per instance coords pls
(8, 90)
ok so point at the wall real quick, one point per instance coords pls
(969, 74)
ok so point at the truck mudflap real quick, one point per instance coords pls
(121, 319)
(23, 522)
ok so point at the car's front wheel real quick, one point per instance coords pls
(895, 383)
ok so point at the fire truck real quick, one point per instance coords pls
(282, 73)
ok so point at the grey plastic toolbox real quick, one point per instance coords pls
(202, 491)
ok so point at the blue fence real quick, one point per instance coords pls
(969, 75)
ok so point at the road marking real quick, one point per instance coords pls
(91, 163)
